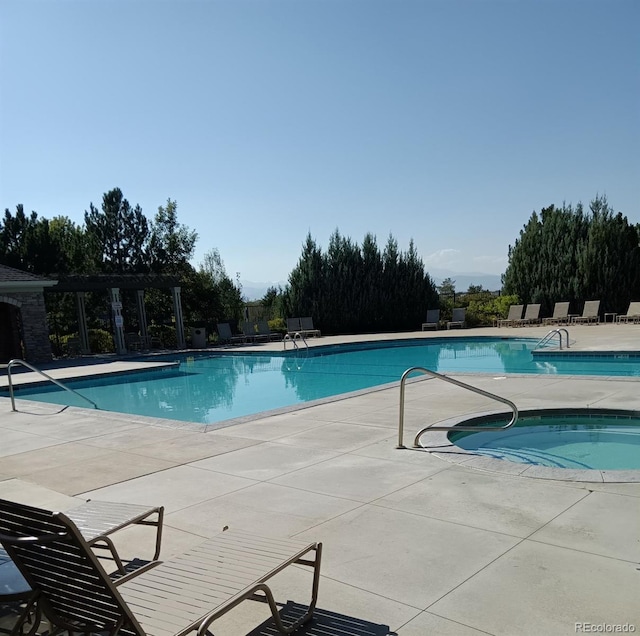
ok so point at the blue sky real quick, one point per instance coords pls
(445, 121)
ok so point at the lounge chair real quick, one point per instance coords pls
(458, 318)
(560, 314)
(95, 521)
(589, 313)
(185, 593)
(226, 337)
(134, 342)
(293, 326)
(515, 313)
(632, 315)
(531, 316)
(264, 330)
(432, 321)
(249, 331)
(307, 328)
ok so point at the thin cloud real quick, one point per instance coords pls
(444, 258)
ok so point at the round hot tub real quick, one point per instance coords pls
(567, 443)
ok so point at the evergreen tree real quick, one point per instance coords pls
(118, 234)
(566, 254)
(171, 244)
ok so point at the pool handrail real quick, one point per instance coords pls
(17, 361)
(296, 336)
(550, 335)
(464, 385)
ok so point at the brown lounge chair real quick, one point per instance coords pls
(515, 313)
(632, 315)
(531, 316)
(589, 313)
(185, 593)
(560, 314)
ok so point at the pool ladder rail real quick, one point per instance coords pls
(551, 334)
(464, 385)
(16, 362)
(294, 340)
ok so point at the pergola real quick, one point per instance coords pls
(113, 284)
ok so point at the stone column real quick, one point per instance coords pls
(35, 331)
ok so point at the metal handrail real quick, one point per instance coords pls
(13, 363)
(296, 336)
(439, 376)
(552, 333)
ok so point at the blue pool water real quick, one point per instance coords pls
(215, 387)
(604, 441)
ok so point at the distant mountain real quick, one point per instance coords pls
(256, 291)
(492, 282)
(252, 290)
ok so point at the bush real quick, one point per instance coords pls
(101, 341)
(278, 325)
(486, 312)
(166, 334)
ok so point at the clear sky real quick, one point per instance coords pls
(445, 121)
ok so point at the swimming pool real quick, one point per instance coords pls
(582, 439)
(214, 387)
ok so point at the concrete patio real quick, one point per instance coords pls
(413, 544)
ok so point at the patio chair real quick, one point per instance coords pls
(249, 331)
(458, 318)
(531, 316)
(185, 593)
(515, 313)
(632, 315)
(560, 314)
(226, 337)
(432, 321)
(307, 328)
(95, 520)
(264, 330)
(293, 326)
(589, 313)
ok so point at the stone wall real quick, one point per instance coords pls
(35, 331)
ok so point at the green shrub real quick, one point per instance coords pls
(101, 341)
(278, 325)
(166, 334)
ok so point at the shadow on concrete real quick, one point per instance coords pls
(323, 623)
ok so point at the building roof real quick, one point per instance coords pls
(13, 275)
(12, 279)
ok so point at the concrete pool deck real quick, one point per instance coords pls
(413, 544)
